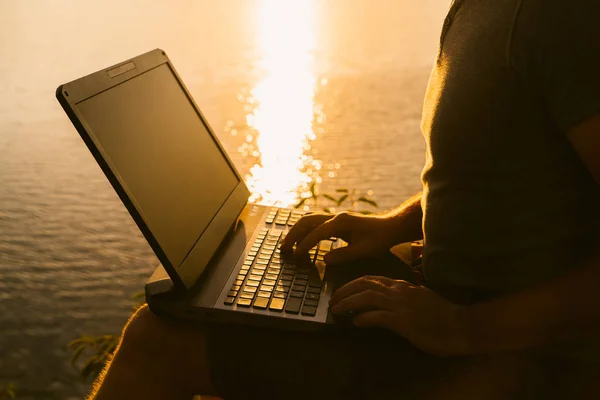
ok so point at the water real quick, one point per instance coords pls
(324, 90)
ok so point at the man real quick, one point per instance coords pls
(508, 305)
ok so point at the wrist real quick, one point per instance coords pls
(459, 337)
(401, 228)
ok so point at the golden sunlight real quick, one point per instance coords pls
(282, 103)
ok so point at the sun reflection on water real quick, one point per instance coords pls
(281, 106)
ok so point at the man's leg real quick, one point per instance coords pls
(160, 358)
(157, 358)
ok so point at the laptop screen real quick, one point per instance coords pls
(163, 154)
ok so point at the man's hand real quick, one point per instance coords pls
(426, 319)
(367, 236)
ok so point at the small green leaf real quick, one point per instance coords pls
(330, 197)
(77, 353)
(93, 367)
(363, 199)
(313, 193)
(341, 190)
(139, 295)
(341, 200)
(300, 203)
(110, 342)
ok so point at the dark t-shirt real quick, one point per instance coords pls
(507, 201)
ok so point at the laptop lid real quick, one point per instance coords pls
(161, 157)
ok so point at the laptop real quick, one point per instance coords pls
(219, 255)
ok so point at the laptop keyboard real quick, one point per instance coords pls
(266, 282)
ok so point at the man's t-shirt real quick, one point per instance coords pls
(507, 201)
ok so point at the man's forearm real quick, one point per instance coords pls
(406, 221)
(566, 308)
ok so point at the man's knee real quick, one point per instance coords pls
(172, 349)
(148, 336)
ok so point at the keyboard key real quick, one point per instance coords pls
(296, 293)
(293, 305)
(280, 295)
(229, 300)
(311, 303)
(250, 289)
(326, 245)
(252, 253)
(269, 247)
(285, 282)
(245, 295)
(262, 262)
(253, 277)
(232, 293)
(244, 302)
(316, 283)
(264, 294)
(299, 288)
(271, 276)
(301, 276)
(276, 304)
(314, 290)
(261, 303)
(235, 287)
(269, 282)
(263, 256)
(303, 270)
(248, 262)
(268, 289)
(252, 283)
(300, 282)
(239, 281)
(309, 310)
(311, 296)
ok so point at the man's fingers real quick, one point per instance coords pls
(367, 300)
(376, 283)
(346, 254)
(324, 231)
(378, 318)
(301, 229)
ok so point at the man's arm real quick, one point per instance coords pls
(566, 308)
(406, 220)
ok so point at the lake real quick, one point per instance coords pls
(325, 91)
